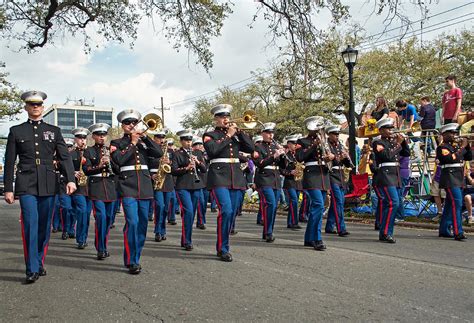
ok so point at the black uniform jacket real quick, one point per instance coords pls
(336, 174)
(102, 182)
(134, 183)
(37, 144)
(219, 145)
(186, 179)
(314, 176)
(289, 165)
(264, 160)
(373, 168)
(78, 160)
(154, 163)
(387, 151)
(447, 154)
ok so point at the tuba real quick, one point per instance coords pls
(163, 169)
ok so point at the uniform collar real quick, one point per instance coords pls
(35, 122)
(99, 145)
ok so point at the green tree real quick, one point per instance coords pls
(10, 102)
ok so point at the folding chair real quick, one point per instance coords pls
(361, 187)
(420, 202)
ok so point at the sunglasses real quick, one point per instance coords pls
(128, 122)
(35, 104)
(100, 133)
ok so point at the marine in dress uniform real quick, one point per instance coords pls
(186, 166)
(316, 183)
(225, 179)
(451, 156)
(202, 203)
(387, 151)
(338, 186)
(162, 197)
(131, 153)
(377, 191)
(268, 158)
(174, 205)
(291, 187)
(101, 186)
(36, 144)
(58, 222)
(256, 141)
(79, 200)
(238, 211)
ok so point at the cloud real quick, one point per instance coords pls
(75, 65)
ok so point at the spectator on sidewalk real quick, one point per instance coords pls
(436, 192)
(452, 100)
(428, 120)
(381, 108)
(468, 192)
(406, 113)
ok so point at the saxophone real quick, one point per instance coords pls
(82, 180)
(163, 169)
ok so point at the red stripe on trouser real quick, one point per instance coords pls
(379, 202)
(453, 210)
(183, 229)
(336, 214)
(45, 250)
(94, 213)
(125, 239)
(390, 209)
(25, 248)
(199, 212)
(219, 222)
(264, 212)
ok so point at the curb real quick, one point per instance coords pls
(368, 221)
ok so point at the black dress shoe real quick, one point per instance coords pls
(297, 227)
(460, 237)
(387, 239)
(106, 253)
(55, 230)
(446, 235)
(101, 255)
(233, 232)
(71, 235)
(319, 245)
(376, 227)
(270, 238)
(331, 232)
(158, 237)
(82, 245)
(259, 223)
(64, 236)
(42, 271)
(201, 226)
(172, 222)
(343, 234)
(163, 238)
(310, 244)
(31, 278)
(134, 269)
(227, 257)
(188, 247)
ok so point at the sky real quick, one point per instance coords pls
(116, 76)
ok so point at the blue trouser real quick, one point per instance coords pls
(304, 208)
(292, 199)
(238, 209)
(35, 218)
(315, 215)
(269, 198)
(57, 214)
(452, 212)
(336, 209)
(134, 231)
(188, 202)
(103, 212)
(151, 211)
(227, 201)
(259, 214)
(116, 209)
(401, 195)
(160, 218)
(173, 206)
(80, 209)
(391, 203)
(158, 207)
(379, 206)
(67, 214)
(201, 208)
(213, 201)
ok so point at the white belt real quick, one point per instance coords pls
(225, 160)
(154, 170)
(100, 175)
(135, 167)
(336, 167)
(389, 164)
(271, 167)
(314, 163)
(452, 165)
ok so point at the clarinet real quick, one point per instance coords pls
(196, 176)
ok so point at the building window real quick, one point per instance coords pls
(85, 118)
(49, 118)
(66, 120)
(103, 117)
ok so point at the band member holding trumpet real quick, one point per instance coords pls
(451, 154)
(186, 166)
(225, 179)
(336, 176)
(312, 152)
(102, 186)
(387, 151)
(268, 157)
(131, 154)
(164, 194)
(81, 205)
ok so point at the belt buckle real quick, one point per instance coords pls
(233, 160)
(38, 161)
(138, 167)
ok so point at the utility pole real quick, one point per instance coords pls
(162, 111)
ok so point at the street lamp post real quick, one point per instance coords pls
(349, 55)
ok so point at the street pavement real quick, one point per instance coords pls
(420, 278)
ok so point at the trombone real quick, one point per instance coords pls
(249, 120)
(151, 121)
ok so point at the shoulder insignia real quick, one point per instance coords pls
(454, 156)
(380, 148)
(255, 154)
(298, 146)
(112, 148)
(445, 152)
(207, 138)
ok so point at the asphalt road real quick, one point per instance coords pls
(421, 278)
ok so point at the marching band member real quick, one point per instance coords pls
(268, 159)
(79, 200)
(315, 180)
(238, 211)
(174, 205)
(131, 153)
(102, 186)
(291, 187)
(35, 143)
(225, 179)
(336, 176)
(451, 156)
(186, 166)
(63, 201)
(256, 141)
(387, 151)
(162, 201)
(202, 203)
